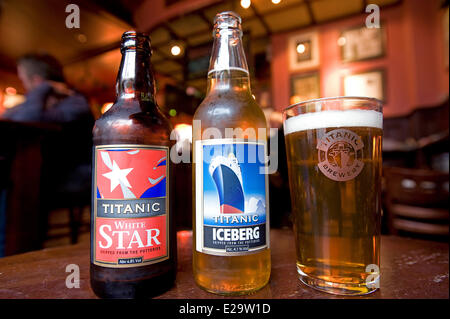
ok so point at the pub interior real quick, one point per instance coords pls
(296, 50)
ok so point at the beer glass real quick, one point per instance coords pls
(333, 148)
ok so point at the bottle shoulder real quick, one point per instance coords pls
(132, 125)
(230, 110)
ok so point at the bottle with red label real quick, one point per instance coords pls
(133, 240)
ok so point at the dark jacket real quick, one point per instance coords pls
(70, 109)
(67, 171)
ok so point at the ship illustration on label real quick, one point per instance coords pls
(128, 174)
(226, 174)
(232, 201)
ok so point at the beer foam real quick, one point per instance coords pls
(348, 118)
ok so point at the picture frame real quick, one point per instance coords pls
(370, 83)
(304, 87)
(362, 43)
(303, 51)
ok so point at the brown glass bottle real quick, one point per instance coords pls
(133, 240)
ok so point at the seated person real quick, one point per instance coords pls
(48, 98)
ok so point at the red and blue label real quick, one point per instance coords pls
(232, 196)
(130, 209)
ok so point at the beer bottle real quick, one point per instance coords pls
(133, 242)
(231, 254)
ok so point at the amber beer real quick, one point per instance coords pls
(231, 254)
(133, 243)
(334, 162)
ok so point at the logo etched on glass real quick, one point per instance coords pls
(339, 153)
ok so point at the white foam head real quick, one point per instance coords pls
(323, 119)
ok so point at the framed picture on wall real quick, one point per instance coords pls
(370, 84)
(362, 43)
(304, 87)
(303, 51)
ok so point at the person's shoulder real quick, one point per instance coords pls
(77, 98)
(39, 92)
(18, 113)
(75, 107)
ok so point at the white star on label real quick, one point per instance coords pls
(118, 176)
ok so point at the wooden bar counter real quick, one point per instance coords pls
(410, 268)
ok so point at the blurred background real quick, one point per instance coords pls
(296, 50)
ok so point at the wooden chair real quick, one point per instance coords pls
(35, 160)
(66, 177)
(20, 179)
(417, 202)
(3, 186)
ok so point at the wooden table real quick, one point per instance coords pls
(410, 269)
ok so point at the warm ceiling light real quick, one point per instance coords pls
(10, 90)
(175, 50)
(295, 99)
(190, 90)
(342, 41)
(301, 48)
(246, 4)
(276, 1)
(11, 100)
(184, 131)
(82, 38)
(106, 107)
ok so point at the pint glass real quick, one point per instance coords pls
(333, 150)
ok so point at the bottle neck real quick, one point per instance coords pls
(135, 79)
(228, 67)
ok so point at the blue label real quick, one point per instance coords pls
(232, 213)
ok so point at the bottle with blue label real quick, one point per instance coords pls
(231, 252)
